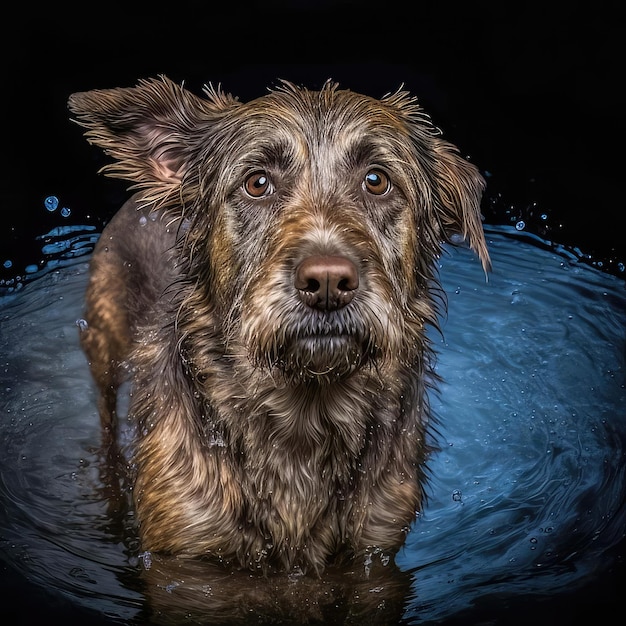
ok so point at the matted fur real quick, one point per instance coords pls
(271, 433)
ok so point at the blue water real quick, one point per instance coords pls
(526, 495)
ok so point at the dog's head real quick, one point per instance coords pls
(315, 218)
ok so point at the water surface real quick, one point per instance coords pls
(526, 510)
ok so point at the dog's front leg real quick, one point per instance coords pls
(187, 490)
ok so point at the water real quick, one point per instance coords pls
(526, 511)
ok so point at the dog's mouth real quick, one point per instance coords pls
(325, 358)
(322, 348)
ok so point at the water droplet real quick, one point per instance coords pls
(143, 220)
(8, 263)
(295, 574)
(65, 212)
(216, 438)
(520, 225)
(82, 325)
(457, 495)
(146, 557)
(51, 203)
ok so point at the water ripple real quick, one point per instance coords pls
(528, 487)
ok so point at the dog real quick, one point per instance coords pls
(267, 291)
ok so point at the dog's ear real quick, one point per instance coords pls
(150, 129)
(458, 190)
(457, 185)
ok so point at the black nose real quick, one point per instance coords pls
(326, 282)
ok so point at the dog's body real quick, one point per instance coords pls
(268, 290)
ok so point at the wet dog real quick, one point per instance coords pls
(268, 291)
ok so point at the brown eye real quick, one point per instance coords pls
(257, 184)
(377, 182)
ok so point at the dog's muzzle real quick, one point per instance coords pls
(330, 341)
(319, 327)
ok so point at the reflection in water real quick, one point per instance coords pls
(192, 591)
(526, 498)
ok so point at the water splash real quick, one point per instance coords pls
(51, 203)
(61, 244)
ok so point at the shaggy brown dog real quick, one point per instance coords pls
(268, 290)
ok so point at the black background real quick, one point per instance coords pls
(532, 92)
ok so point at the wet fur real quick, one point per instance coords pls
(270, 434)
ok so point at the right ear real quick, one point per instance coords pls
(152, 130)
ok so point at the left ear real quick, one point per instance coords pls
(458, 191)
(153, 131)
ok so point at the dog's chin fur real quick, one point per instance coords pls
(272, 433)
(323, 360)
(322, 348)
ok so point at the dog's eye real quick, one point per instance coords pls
(257, 184)
(376, 182)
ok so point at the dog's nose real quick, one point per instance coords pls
(326, 282)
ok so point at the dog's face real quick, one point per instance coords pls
(314, 219)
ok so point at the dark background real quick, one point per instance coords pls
(532, 92)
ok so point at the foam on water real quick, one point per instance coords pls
(527, 492)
